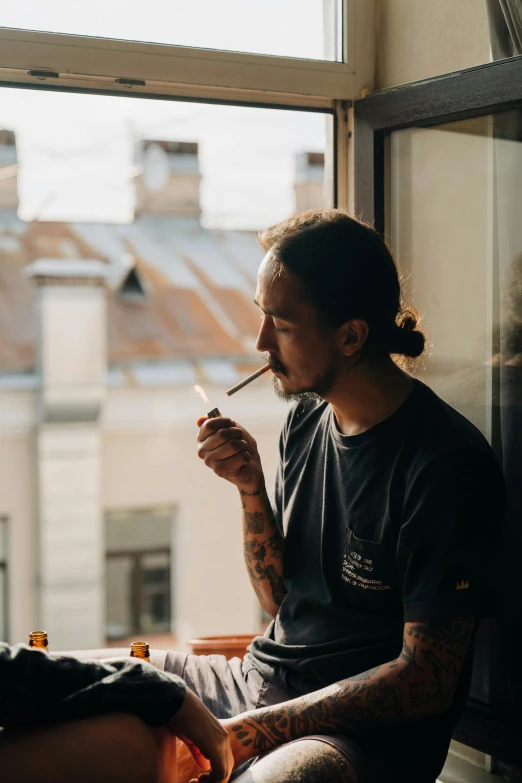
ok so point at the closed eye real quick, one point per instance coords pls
(263, 315)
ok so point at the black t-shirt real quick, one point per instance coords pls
(399, 523)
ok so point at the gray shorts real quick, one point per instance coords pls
(229, 688)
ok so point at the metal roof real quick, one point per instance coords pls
(195, 318)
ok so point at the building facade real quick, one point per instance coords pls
(111, 526)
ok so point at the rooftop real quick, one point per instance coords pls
(179, 296)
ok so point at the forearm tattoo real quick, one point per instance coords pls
(255, 522)
(254, 494)
(419, 683)
(263, 552)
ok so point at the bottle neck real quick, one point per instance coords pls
(140, 650)
(39, 640)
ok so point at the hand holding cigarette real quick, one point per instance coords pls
(228, 449)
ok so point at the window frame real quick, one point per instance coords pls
(103, 66)
(4, 570)
(33, 58)
(474, 92)
(70, 63)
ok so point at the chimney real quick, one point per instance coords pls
(169, 181)
(72, 337)
(8, 171)
(309, 179)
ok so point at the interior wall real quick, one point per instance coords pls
(419, 39)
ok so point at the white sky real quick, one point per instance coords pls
(76, 151)
(292, 28)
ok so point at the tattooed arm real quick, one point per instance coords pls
(231, 452)
(419, 683)
(263, 549)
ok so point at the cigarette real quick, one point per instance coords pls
(248, 380)
(214, 413)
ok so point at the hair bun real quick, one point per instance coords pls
(405, 338)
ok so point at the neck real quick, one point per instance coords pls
(368, 393)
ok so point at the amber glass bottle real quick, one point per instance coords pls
(140, 650)
(39, 640)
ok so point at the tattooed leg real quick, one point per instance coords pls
(309, 761)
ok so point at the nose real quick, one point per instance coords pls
(265, 338)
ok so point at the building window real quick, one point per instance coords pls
(3, 580)
(138, 582)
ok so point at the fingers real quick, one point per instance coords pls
(197, 755)
(220, 437)
(210, 426)
(228, 450)
(205, 737)
(233, 454)
(216, 761)
(223, 449)
(222, 764)
(212, 432)
(222, 452)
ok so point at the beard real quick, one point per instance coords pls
(315, 390)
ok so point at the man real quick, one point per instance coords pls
(68, 720)
(376, 556)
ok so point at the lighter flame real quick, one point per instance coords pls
(201, 393)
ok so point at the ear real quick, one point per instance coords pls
(354, 334)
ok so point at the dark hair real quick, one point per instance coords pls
(347, 271)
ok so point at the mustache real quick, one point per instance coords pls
(276, 365)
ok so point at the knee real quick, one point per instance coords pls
(307, 761)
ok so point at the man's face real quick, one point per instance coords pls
(303, 353)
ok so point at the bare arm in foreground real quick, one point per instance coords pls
(42, 694)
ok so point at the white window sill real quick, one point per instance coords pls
(457, 770)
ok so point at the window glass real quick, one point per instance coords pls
(138, 572)
(128, 265)
(455, 227)
(98, 159)
(155, 599)
(120, 620)
(442, 234)
(291, 28)
(149, 528)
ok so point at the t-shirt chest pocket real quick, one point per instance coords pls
(369, 574)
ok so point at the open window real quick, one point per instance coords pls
(138, 157)
(438, 167)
